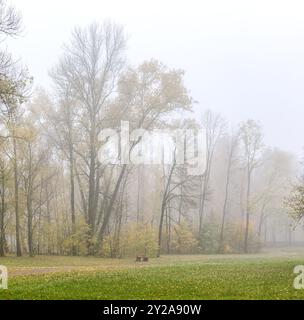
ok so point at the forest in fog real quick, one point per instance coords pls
(57, 198)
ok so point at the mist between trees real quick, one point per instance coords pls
(57, 198)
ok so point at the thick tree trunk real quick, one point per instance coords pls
(110, 206)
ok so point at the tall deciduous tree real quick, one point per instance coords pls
(88, 71)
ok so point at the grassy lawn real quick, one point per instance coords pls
(264, 276)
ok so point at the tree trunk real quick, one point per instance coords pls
(92, 182)
(72, 194)
(30, 228)
(225, 203)
(163, 209)
(48, 215)
(247, 212)
(2, 213)
(110, 206)
(16, 202)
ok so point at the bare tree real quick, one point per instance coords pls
(10, 20)
(251, 136)
(233, 143)
(213, 125)
(90, 68)
(147, 96)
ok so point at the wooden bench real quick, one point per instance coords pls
(142, 259)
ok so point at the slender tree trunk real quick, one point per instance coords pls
(203, 196)
(92, 182)
(39, 230)
(2, 213)
(160, 229)
(118, 221)
(225, 202)
(247, 212)
(261, 222)
(201, 205)
(72, 194)
(180, 206)
(163, 209)
(138, 194)
(48, 215)
(30, 228)
(265, 232)
(16, 202)
(168, 229)
(29, 197)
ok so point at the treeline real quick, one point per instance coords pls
(58, 198)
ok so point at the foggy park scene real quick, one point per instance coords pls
(151, 150)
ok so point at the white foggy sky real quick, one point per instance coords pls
(244, 59)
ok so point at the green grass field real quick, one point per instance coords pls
(263, 276)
